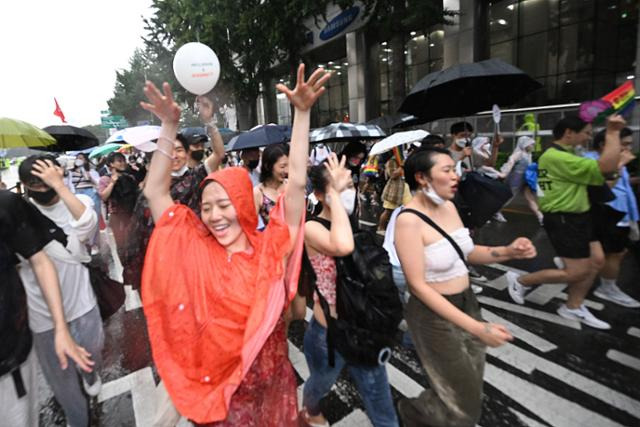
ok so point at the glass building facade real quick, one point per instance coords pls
(578, 49)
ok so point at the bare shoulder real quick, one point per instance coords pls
(407, 220)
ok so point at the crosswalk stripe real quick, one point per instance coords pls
(624, 359)
(542, 315)
(132, 299)
(550, 407)
(518, 332)
(527, 362)
(543, 294)
(356, 418)
(591, 304)
(634, 332)
(528, 421)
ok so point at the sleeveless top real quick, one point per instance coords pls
(325, 268)
(265, 207)
(442, 262)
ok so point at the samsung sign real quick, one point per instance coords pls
(338, 23)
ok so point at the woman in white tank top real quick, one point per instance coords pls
(442, 313)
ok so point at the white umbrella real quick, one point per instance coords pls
(139, 137)
(398, 138)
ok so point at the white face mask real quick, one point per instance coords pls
(79, 162)
(180, 172)
(432, 195)
(461, 142)
(348, 200)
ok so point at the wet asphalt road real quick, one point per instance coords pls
(554, 374)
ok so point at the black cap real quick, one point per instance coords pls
(194, 135)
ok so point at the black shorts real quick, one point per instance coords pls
(570, 233)
(614, 239)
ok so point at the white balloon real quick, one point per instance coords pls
(196, 67)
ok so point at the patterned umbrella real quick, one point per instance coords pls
(343, 132)
(16, 133)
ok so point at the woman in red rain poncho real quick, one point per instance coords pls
(215, 289)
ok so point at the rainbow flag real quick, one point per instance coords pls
(620, 101)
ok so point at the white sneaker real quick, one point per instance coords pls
(559, 263)
(476, 289)
(582, 315)
(614, 294)
(516, 290)
(474, 275)
(499, 217)
(93, 389)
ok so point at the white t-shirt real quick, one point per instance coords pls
(77, 295)
(389, 238)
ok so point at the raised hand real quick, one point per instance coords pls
(48, 172)
(163, 106)
(305, 94)
(339, 176)
(205, 109)
(616, 123)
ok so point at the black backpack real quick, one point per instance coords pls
(367, 303)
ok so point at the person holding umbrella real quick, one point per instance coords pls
(460, 148)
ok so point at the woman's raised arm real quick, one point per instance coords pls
(158, 183)
(303, 96)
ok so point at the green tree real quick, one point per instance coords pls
(128, 91)
(101, 133)
(250, 37)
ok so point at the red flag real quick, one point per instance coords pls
(58, 111)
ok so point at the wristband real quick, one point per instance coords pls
(163, 152)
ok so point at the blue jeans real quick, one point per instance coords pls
(371, 381)
(401, 283)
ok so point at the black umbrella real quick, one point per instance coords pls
(393, 121)
(260, 136)
(70, 138)
(465, 89)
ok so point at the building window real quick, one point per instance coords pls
(577, 49)
(423, 54)
(333, 106)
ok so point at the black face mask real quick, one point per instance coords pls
(42, 197)
(197, 155)
(252, 164)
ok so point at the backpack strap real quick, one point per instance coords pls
(438, 229)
